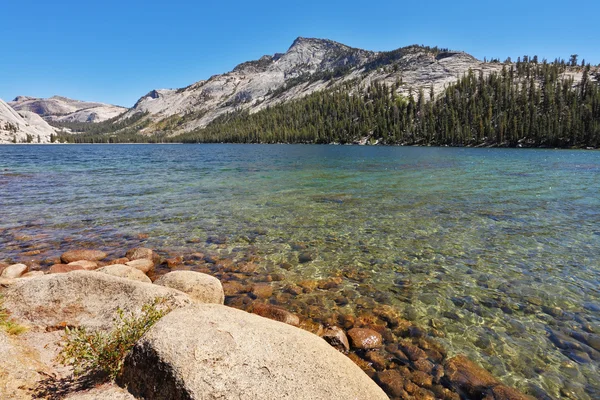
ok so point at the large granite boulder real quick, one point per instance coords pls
(202, 288)
(82, 298)
(210, 351)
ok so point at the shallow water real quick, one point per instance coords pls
(497, 248)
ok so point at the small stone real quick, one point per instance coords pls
(232, 288)
(85, 264)
(124, 271)
(413, 352)
(143, 252)
(468, 376)
(305, 257)
(365, 339)
(63, 268)
(392, 382)
(122, 260)
(143, 264)
(293, 289)
(174, 262)
(275, 313)
(308, 285)
(336, 337)
(262, 291)
(77, 255)
(422, 379)
(312, 327)
(424, 365)
(14, 271)
(330, 283)
(377, 359)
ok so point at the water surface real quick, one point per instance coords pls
(497, 248)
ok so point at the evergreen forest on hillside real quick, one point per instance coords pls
(525, 104)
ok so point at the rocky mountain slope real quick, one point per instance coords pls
(23, 126)
(309, 65)
(63, 109)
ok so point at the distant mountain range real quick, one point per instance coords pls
(308, 66)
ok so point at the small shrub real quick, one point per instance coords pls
(105, 352)
(8, 326)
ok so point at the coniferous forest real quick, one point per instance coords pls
(526, 104)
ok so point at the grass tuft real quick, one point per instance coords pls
(104, 352)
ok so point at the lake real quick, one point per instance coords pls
(497, 249)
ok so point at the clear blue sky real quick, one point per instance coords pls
(117, 51)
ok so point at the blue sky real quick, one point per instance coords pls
(117, 51)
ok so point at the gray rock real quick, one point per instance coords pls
(14, 271)
(82, 298)
(142, 264)
(201, 288)
(124, 271)
(210, 351)
(143, 253)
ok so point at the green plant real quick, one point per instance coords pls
(10, 327)
(105, 352)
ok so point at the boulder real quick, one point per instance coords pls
(14, 271)
(143, 253)
(82, 298)
(77, 255)
(85, 264)
(63, 268)
(124, 271)
(275, 313)
(365, 339)
(201, 288)
(210, 351)
(143, 264)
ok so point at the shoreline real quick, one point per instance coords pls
(405, 359)
(479, 146)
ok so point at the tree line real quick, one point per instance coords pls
(524, 104)
(528, 103)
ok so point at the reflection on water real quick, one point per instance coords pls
(496, 248)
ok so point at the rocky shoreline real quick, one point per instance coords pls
(206, 346)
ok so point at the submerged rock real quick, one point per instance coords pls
(77, 255)
(365, 339)
(275, 313)
(210, 351)
(143, 253)
(201, 288)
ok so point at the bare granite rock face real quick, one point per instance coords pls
(20, 368)
(22, 127)
(82, 298)
(201, 288)
(308, 66)
(211, 351)
(58, 108)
